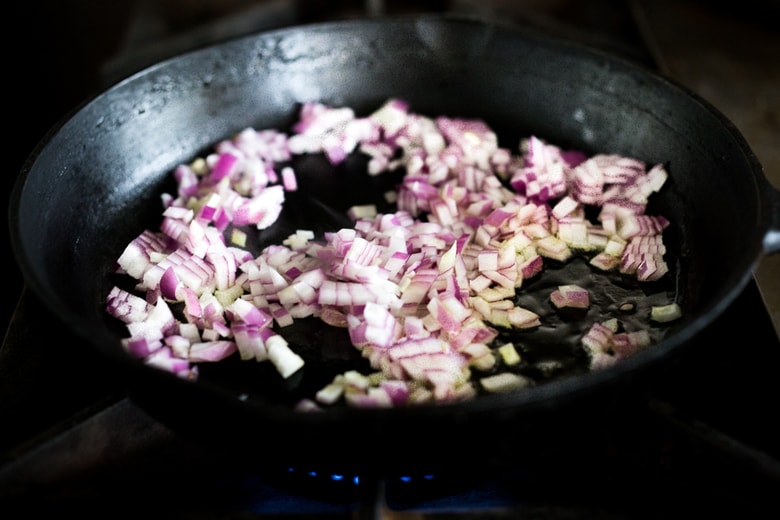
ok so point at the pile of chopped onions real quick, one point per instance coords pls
(422, 291)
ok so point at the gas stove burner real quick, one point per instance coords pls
(470, 490)
(325, 483)
(347, 480)
(348, 486)
(350, 479)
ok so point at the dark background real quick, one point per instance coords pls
(52, 67)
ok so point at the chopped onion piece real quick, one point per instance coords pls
(509, 354)
(211, 351)
(504, 382)
(665, 313)
(571, 296)
(284, 359)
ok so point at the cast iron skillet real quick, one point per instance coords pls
(94, 183)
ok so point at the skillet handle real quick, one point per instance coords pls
(771, 242)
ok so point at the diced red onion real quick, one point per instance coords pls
(571, 296)
(419, 290)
